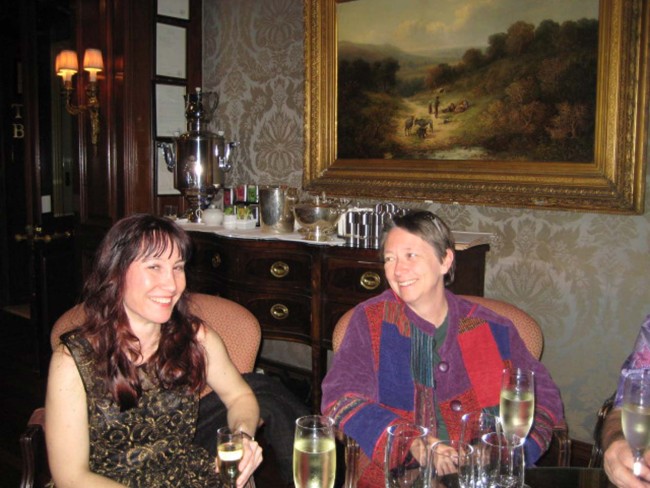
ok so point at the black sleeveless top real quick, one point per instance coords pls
(149, 445)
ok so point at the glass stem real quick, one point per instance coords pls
(638, 459)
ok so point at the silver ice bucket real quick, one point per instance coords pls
(276, 208)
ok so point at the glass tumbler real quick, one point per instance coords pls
(502, 462)
(407, 456)
(451, 464)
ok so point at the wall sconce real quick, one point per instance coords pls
(66, 66)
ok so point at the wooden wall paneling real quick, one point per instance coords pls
(116, 178)
(114, 175)
(195, 45)
(95, 177)
(139, 155)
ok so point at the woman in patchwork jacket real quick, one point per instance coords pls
(418, 343)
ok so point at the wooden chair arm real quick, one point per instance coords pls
(35, 471)
(352, 452)
(596, 459)
(562, 440)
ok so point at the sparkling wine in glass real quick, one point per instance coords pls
(314, 452)
(636, 415)
(230, 449)
(517, 406)
(516, 410)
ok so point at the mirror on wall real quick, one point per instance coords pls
(62, 145)
(55, 32)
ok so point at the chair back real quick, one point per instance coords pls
(340, 328)
(239, 329)
(528, 328)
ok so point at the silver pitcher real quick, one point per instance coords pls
(276, 208)
(199, 158)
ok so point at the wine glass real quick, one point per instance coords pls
(230, 450)
(516, 408)
(407, 456)
(314, 452)
(517, 405)
(636, 415)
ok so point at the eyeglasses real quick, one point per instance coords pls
(435, 221)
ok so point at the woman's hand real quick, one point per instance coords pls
(618, 464)
(250, 461)
(446, 460)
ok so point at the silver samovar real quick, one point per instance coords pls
(199, 158)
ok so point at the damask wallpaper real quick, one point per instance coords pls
(584, 277)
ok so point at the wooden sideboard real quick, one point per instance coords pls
(298, 290)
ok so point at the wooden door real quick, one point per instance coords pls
(37, 263)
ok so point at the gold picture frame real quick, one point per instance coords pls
(613, 183)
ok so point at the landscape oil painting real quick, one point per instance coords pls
(498, 80)
(510, 103)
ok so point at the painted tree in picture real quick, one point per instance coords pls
(510, 80)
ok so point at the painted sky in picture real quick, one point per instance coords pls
(441, 24)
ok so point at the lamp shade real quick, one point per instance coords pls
(93, 62)
(66, 64)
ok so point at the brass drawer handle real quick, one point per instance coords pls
(279, 311)
(216, 260)
(279, 269)
(370, 280)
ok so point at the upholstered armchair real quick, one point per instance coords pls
(238, 328)
(560, 450)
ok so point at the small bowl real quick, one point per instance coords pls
(229, 221)
(318, 220)
(245, 224)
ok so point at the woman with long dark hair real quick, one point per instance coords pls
(123, 389)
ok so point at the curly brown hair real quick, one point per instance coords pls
(180, 359)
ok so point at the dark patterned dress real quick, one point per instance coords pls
(149, 445)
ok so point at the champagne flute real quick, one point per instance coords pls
(516, 409)
(230, 450)
(314, 452)
(636, 415)
(517, 406)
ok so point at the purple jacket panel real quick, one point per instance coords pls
(638, 359)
